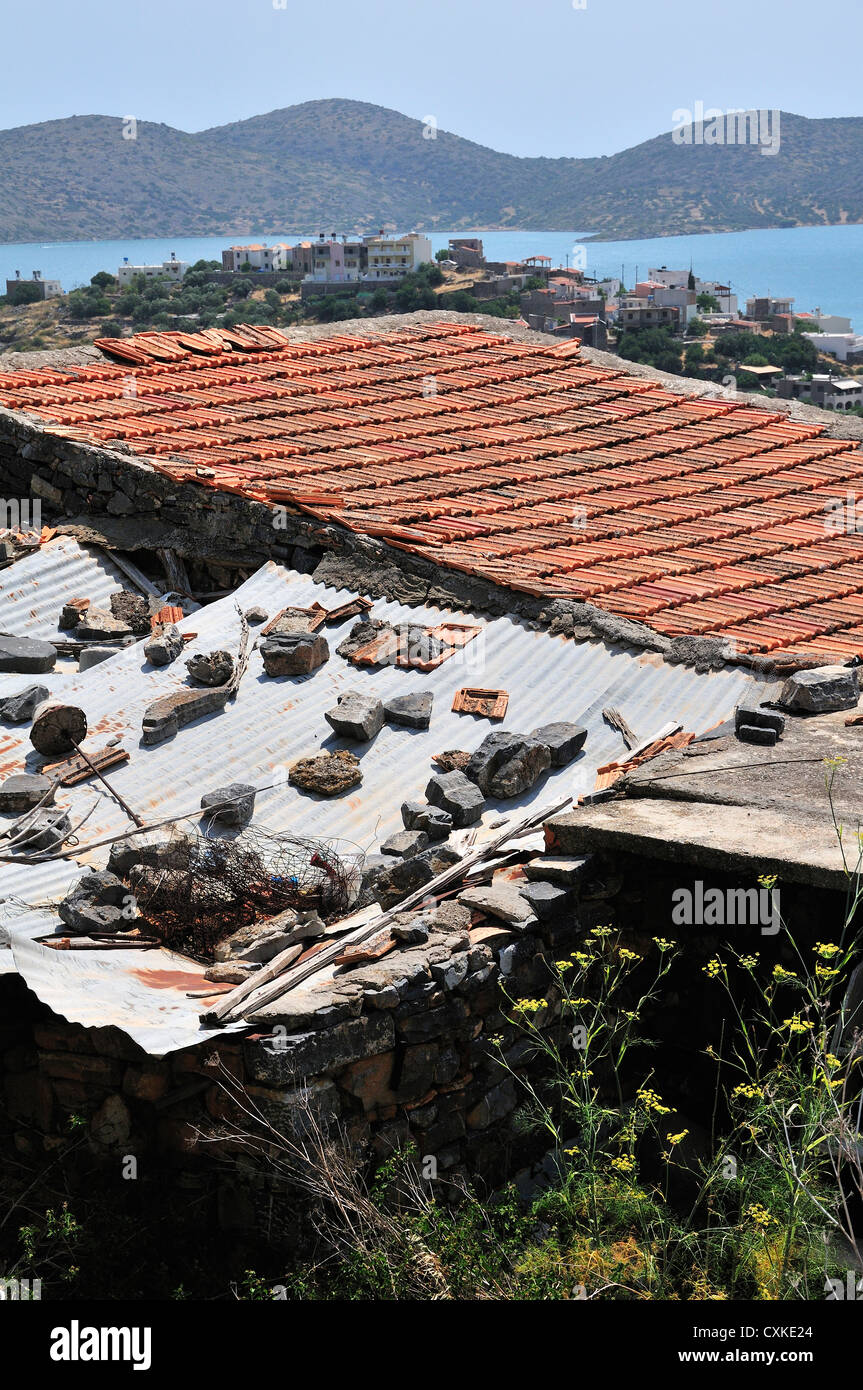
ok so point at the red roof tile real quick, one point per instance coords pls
(521, 464)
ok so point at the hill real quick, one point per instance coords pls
(346, 165)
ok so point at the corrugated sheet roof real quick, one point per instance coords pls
(274, 722)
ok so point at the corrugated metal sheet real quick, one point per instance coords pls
(274, 722)
(33, 591)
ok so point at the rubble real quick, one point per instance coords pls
(294, 653)
(256, 614)
(821, 689)
(211, 668)
(233, 804)
(26, 655)
(46, 831)
(455, 793)
(356, 716)
(326, 774)
(164, 646)
(261, 941)
(412, 710)
(18, 709)
(399, 877)
(545, 899)
(757, 733)
(452, 760)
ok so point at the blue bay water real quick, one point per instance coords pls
(822, 267)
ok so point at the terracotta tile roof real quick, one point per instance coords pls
(522, 464)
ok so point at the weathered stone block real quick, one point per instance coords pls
(456, 794)
(27, 655)
(233, 804)
(507, 764)
(822, 689)
(412, 710)
(419, 815)
(23, 792)
(18, 709)
(563, 740)
(294, 653)
(310, 1054)
(356, 715)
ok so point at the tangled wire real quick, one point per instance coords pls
(212, 887)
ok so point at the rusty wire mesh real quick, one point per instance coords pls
(215, 886)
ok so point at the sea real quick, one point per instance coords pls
(821, 267)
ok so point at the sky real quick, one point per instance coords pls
(552, 77)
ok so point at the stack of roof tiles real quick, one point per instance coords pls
(518, 463)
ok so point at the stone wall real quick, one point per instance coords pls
(403, 1049)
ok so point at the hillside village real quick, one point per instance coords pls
(672, 319)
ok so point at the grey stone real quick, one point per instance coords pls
(504, 903)
(412, 710)
(81, 914)
(165, 716)
(260, 942)
(294, 653)
(311, 1054)
(154, 848)
(496, 1104)
(23, 792)
(822, 689)
(412, 932)
(165, 646)
(757, 718)
(92, 656)
(356, 716)
(232, 972)
(95, 905)
(545, 899)
(18, 709)
(562, 739)
(211, 668)
(45, 832)
(566, 869)
(452, 973)
(98, 622)
(27, 655)
(455, 793)
(102, 886)
(373, 867)
(404, 876)
(406, 843)
(256, 614)
(233, 804)
(507, 764)
(755, 733)
(419, 815)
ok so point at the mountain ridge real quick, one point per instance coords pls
(345, 165)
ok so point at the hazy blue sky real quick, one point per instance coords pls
(541, 77)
